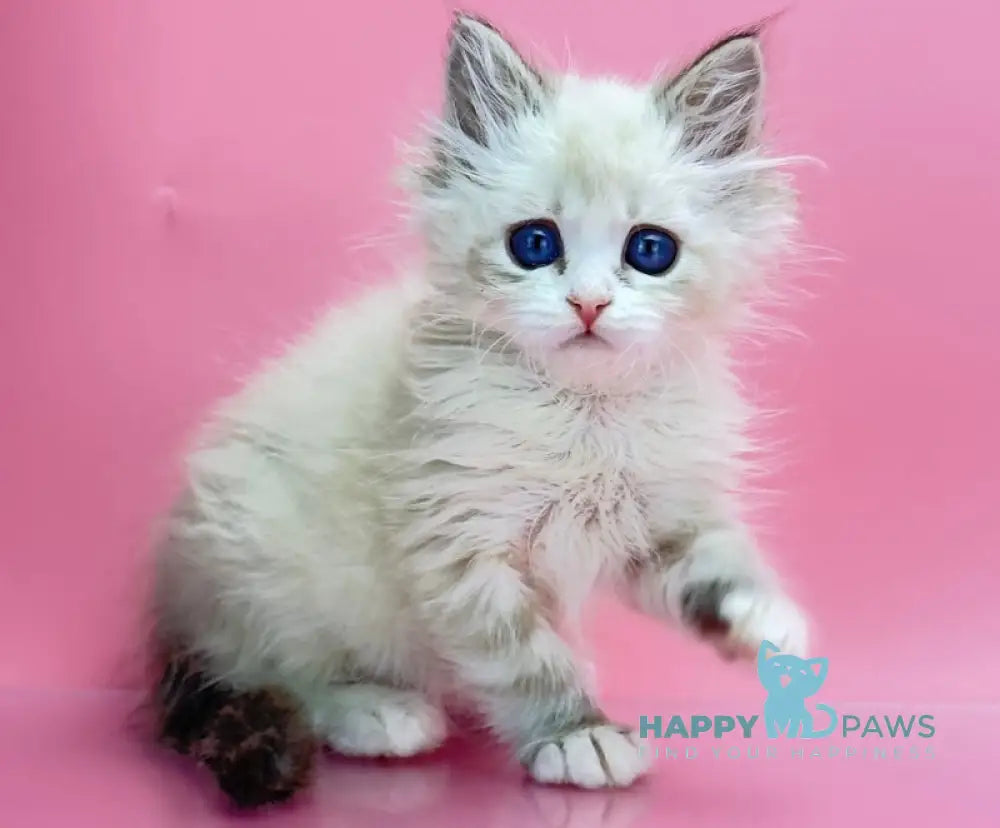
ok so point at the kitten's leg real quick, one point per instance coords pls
(490, 622)
(367, 719)
(714, 582)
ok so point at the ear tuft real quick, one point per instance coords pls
(718, 98)
(488, 84)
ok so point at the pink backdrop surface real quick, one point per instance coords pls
(184, 184)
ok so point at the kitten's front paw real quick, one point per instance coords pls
(594, 756)
(738, 618)
(765, 616)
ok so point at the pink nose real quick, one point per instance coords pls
(588, 309)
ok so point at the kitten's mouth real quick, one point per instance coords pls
(586, 339)
(785, 680)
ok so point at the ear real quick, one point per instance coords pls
(819, 666)
(488, 84)
(718, 98)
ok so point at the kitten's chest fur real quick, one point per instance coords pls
(567, 481)
(574, 485)
(592, 510)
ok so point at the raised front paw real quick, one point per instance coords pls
(737, 617)
(592, 756)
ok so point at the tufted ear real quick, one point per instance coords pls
(718, 98)
(488, 84)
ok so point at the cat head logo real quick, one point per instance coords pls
(789, 681)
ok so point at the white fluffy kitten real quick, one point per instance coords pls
(412, 503)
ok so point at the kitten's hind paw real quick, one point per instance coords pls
(374, 720)
(594, 756)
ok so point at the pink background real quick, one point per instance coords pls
(184, 184)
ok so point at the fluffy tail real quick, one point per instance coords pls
(255, 743)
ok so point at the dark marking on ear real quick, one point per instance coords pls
(486, 80)
(718, 96)
(747, 32)
(460, 18)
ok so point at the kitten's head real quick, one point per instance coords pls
(599, 227)
(800, 677)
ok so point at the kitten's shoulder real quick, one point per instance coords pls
(337, 379)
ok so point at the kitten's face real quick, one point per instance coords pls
(601, 229)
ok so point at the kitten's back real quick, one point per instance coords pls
(334, 386)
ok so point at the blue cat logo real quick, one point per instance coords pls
(789, 681)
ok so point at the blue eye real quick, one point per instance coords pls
(650, 250)
(535, 244)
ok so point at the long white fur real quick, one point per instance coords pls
(421, 493)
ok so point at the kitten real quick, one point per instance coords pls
(789, 681)
(411, 504)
